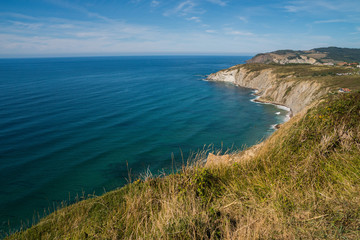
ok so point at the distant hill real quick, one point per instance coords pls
(313, 56)
(341, 54)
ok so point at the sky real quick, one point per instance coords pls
(162, 27)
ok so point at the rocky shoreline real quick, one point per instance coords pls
(291, 95)
(295, 95)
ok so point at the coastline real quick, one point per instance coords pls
(272, 88)
(258, 99)
(288, 116)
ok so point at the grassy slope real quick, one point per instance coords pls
(303, 183)
(341, 54)
(326, 75)
(328, 53)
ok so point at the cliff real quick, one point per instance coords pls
(289, 92)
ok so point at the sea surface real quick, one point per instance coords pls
(78, 126)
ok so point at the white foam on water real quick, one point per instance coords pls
(282, 107)
(255, 99)
(286, 118)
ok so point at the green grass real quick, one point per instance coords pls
(326, 75)
(341, 54)
(303, 183)
(328, 53)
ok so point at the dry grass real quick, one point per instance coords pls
(326, 75)
(302, 183)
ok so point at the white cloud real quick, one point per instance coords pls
(293, 8)
(16, 15)
(218, 2)
(22, 34)
(244, 19)
(331, 21)
(184, 8)
(195, 19)
(210, 31)
(53, 28)
(26, 25)
(238, 33)
(81, 9)
(322, 6)
(62, 26)
(155, 3)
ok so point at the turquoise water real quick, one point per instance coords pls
(70, 125)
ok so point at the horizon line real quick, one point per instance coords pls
(6, 56)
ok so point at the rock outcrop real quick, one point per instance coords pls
(227, 159)
(289, 58)
(293, 94)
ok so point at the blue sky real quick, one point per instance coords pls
(143, 27)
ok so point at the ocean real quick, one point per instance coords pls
(79, 126)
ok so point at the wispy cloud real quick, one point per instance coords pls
(298, 6)
(195, 19)
(293, 8)
(75, 7)
(322, 6)
(243, 19)
(155, 3)
(184, 8)
(218, 2)
(50, 28)
(25, 25)
(331, 21)
(211, 31)
(230, 31)
(16, 15)
(89, 26)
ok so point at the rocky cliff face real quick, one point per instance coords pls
(291, 93)
(288, 58)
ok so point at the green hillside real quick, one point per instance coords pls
(303, 183)
(319, 55)
(341, 54)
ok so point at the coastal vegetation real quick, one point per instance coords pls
(331, 77)
(327, 55)
(302, 183)
(290, 71)
(341, 54)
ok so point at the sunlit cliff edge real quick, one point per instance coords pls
(288, 91)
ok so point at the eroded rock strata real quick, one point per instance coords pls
(293, 94)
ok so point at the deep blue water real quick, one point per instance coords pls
(69, 125)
